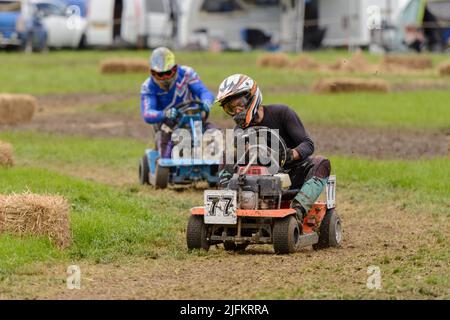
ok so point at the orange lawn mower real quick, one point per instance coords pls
(255, 208)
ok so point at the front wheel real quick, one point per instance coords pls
(330, 232)
(196, 234)
(144, 170)
(286, 235)
(161, 176)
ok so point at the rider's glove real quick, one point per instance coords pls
(206, 106)
(171, 113)
(289, 156)
(224, 178)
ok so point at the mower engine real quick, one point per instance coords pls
(257, 189)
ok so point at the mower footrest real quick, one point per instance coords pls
(308, 239)
(261, 240)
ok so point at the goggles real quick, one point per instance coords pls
(165, 74)
(231, 106)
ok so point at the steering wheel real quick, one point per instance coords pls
(187, 107)
(278, 155)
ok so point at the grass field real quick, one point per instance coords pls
(396, 213)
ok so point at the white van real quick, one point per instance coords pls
(142, 23)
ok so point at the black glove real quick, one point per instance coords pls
(289, 156)
(224, 178)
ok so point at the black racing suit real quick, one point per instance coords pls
(309, 173)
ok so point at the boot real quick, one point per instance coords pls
(310, 192)
(301, 212)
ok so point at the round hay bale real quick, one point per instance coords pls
(6, 155)
(124, 65)
(275, 60)
(357, 63)
(402, 62)
(342, 85)
(16, 108)
(40, 215)
(444, 69)
(305, 63)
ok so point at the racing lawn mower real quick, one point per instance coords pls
(254, 208)
(159, 172)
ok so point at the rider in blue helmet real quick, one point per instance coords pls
(169, 85)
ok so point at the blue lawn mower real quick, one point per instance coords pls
(160, 172)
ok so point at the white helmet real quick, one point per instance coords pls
(236, 86)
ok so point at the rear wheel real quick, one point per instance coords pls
(330, 232)
(286, 235)
(161, 176)
(144, 170)
(231, 246)
(196, 234)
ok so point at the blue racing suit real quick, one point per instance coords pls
(155, 100)
(187, 86)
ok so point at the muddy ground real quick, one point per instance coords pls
(400, 244)
(60, 113)
(405, 245)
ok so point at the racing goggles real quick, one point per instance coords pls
(231, 106)
(164, 75)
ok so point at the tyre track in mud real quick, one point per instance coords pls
(58, 114)
(388, 237)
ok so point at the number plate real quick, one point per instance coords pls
(220, 207)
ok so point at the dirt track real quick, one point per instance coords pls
(399, 243)
(60, 114)
(392, 235)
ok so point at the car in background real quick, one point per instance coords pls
(66, 26)
(20, 27)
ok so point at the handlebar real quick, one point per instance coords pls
(279, 157)
(185, 107)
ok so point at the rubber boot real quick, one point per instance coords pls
(308, 194)
(165, 145)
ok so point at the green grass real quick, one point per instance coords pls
(428, 109)
(419, 182)
(52, 149)
(79, 71)
(411, 110)
(109, 223)
(106, 223)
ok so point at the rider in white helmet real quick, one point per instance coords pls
(241, 98)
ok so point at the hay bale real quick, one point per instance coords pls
(444, 69)
(40, 215)
(276, 60)
(305, 63)
(16, 108)
(395, 63)
(356, 63)
(6, 155)
(123, 65)
(339, 85)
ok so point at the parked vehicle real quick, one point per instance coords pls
(20, 27)
(66, 28)
(142, 23)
